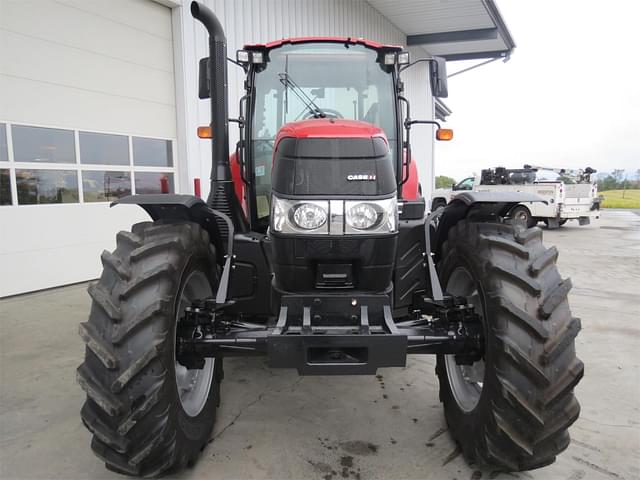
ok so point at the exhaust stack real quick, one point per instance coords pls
(221, 196)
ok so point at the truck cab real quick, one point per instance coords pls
(442, 196)
(466, 184)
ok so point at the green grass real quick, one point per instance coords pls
(613, 199)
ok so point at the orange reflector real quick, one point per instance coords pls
(205, 132)
(444, 134)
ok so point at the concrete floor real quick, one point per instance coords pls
(274, 424)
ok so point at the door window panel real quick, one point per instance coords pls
(154, 182)
(151, 152)
(4, 152)
(101, 186)
(43, 145)
(103, 149)
(40, 183)
(46, 186)
(5, 187)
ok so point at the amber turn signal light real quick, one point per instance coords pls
(205, 132)
(444, 134)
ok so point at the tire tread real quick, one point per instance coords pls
(97, 345)
(129, 407)
(533, 335)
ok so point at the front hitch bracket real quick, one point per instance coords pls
(333, 334)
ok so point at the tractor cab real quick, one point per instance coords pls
(312, 79)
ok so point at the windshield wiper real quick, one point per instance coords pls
(308, 102)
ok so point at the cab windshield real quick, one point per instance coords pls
(315, 80)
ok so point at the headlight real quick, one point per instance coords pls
(375, 216)
(278, 214)
(295, 216)
(309, 216)
(334, 217)
(362, 216)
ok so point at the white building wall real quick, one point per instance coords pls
(417, 90)
(99, 66)
(75, 64)
(259, 21)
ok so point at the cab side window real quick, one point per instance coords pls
(466, 184)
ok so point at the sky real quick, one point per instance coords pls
(568, 97)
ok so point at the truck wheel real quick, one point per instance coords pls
(522, 216)
(437, 203)
(511, 410)
(148, 413)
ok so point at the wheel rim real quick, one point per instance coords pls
(521, 217)
(193, 385)
(465, 380)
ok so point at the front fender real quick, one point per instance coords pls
(174, 207)
(483, 206)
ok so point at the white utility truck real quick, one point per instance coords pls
(569, 194)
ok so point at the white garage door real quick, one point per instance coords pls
(87, 114)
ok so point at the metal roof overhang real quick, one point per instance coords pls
(442, 110)
(455, 29)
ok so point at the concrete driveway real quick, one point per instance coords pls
(274, 424)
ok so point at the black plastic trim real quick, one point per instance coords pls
(308, 198)
(180, 207)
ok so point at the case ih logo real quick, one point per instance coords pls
(361, 177)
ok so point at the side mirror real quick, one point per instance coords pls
(438, 78)
(204, 78)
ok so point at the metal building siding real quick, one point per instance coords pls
(417, 90)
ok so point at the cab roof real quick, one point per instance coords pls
(348, 40)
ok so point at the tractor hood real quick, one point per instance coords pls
(330, 128)
(332, 157)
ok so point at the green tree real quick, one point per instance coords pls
(618, 174)
(442, 181)
(607, 183)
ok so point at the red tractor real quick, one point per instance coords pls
(314, 250)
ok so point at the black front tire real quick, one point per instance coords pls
(133, 406)
(526, 401)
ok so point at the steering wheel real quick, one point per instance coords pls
(329, 112)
